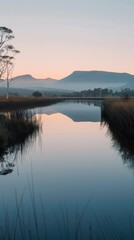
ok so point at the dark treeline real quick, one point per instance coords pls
(100, 92)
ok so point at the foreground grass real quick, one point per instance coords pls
(35, 224)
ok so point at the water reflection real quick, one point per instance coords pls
(119, 119)
(76, 163)
(17, 129)
(77, 110)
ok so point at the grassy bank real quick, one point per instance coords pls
(15, 103)
(16, 129)
(119, 118)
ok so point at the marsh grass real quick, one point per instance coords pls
(16, 129)
(17, 103)
(34, 224)
(118, 116)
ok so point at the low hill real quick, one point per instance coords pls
(28, 81)
(25, 85)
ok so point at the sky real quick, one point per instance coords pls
(57, 37)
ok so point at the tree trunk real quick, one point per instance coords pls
(7, 96)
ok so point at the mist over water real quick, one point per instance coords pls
(76, 170)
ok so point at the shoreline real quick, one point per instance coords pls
(16, 103)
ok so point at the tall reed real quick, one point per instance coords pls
(118, 115)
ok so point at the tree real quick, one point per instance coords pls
(7, 55)
(37, 94)
(6, 34)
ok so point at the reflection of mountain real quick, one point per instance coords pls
(119, 118)
(78, 111)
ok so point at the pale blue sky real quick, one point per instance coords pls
(56, 37)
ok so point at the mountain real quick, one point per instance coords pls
(25, 85)
(27, 81)
(82, 80)
(77, 81)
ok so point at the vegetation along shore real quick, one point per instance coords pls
(118, 116)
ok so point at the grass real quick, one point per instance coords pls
(119, 118)
(16, 129)
(29, 220)
(17, 103)
(34, 224)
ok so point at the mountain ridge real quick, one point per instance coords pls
(77, 81)
(82, 80)
(30, 77)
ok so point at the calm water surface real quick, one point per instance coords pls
(76, 169)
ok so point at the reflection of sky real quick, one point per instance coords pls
(71, 162)
(58, 37)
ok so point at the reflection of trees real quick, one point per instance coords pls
(97, 103)
(7, 164)
(118, 116)
(17, 129)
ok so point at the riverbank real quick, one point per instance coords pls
(15, 128)
(15, 103)
(18, 103)
(119, 117)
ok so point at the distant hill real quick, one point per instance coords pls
(27, 81)
(25, 85)
(81, 80)
(77, 81)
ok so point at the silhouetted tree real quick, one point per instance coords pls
(37, 94)
(7, 55)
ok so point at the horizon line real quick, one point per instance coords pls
(105, 71)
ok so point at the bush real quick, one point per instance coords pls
(37, 94)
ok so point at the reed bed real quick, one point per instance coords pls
(16, 103)
(119, 118)
(15, 129)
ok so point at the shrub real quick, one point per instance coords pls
(37, 94)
